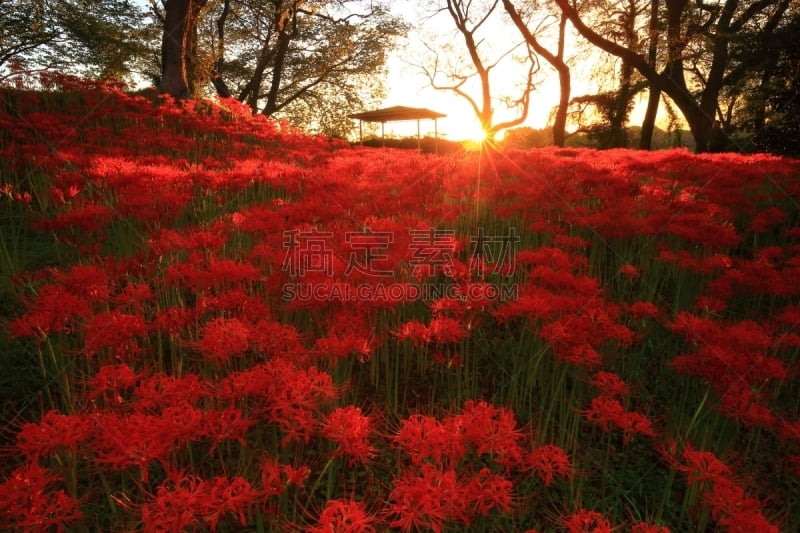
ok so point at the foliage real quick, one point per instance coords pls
(97, 39)
(228, 331)
(309, 62)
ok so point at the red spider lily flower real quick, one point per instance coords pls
(493, 431)
(112, 380)
(351, 430)
(489, 491)
(634, 423)
(743, 404)
(733, 510)
(185, 422)
(580, 355)
(446, 330)
(343, 516)
(133, 440)
(423, 437)
(548, 461)
(643, 309)
(275, 477)
(630, 271)
(227, 496)
(610, 385)
(29, 502)
(272, 483)
(702, 466)
(415, 331)
(115, 331)
(426, 499)
(54, 431)
(176, 506)
(53, 310)
(604, 412)
(223, 338)
(158, 390)
(586, 521)
(91, 281)
(296, 475)
(228, 423)
(173, 319)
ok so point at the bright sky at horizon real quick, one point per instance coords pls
(408, 85)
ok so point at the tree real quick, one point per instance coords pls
(761, 95)
(556, 60)
(177, 45)
(470, 20)
(311, 62)
(709, 28)
(99, 39)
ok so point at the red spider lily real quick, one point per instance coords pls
(114, 331)
(351, 431)
(586, 521)
(702, 466)
(732, 509)
(643, 309)
(489, 491)
(275, 477)
(175, 507)
(609, 413)
(424, 437)
(605, 412)
(30, 502)
(53, 432)
(54, 310)
(112, 380)
(610, 385)
(343, 516)
(133, 440)
(223, 338)
(224, 496)
(549, 461)
(415, 331)
(228, 423)
(284, 394)
(633, 423)
(631, 272)
(740, 402)
(492, 431)
(426, 499)
(446, 330)
(157, 390)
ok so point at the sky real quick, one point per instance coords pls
(407, 85)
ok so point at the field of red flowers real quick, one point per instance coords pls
(216, 323)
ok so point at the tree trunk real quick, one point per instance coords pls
(557, 61)
(284, 39)
(649, 120)
(180, 19)
(174, 76)
(654, 96)
(217, 79)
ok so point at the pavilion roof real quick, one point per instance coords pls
(397, 113)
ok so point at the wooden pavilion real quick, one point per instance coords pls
(396, 114)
